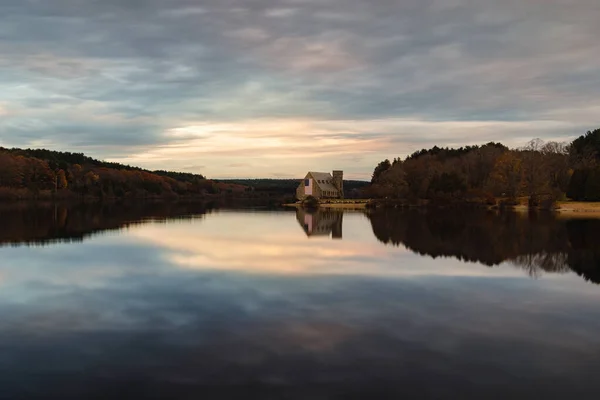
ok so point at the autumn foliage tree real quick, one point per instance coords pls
(61, 180)
(438, 174)
(585, 159)
(507, 175)
(539, 171)
(35, 173)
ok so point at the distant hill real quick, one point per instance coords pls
(34, 173)
(288, 186)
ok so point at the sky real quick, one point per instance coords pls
(273, 88)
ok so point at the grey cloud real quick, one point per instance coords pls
(79, 136)
(184, 60)
(194, 167)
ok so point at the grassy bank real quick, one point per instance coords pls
(579, 208)
(564, 208)
(352, 204)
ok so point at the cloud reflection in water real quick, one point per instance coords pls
(241, 303)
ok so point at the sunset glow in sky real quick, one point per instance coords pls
(272, 88)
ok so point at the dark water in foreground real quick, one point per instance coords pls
(180, 301)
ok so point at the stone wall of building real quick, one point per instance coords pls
(300, 195)
(338, 182)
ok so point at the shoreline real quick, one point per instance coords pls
(565, 208)
(579, 209)
(358, 205)
(570, 209)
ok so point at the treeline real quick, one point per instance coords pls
(543, 172)
(585, 158)
(38, 173)
(287, 186)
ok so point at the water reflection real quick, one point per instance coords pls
(238, 304)
(321, 222)
(537, 243)
(45, 223)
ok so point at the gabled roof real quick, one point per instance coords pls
(327, 186)
(324, 176)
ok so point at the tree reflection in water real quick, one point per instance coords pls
(535, 242)
(45, 223)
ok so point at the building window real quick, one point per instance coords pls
(307, 182)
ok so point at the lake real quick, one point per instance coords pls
(164, 300)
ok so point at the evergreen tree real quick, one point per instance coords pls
(592, 186)
(576, 190)
(380, 169)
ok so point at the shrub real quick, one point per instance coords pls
(310, 202)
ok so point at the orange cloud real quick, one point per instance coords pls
(296, 145)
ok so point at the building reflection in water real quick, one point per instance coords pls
(321, 222)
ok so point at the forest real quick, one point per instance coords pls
(541, 172)
(38, 173)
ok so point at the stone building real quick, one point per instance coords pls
(322, 185)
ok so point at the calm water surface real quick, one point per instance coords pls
(181, 301)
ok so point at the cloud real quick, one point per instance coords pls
(288, 145)
(116, 78)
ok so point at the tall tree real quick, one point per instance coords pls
(592, 185)
(576, 189)
(585, 150)
(61, 180)
(380, 169)
(507, 175)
